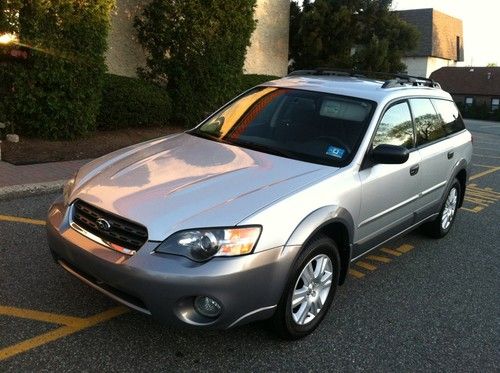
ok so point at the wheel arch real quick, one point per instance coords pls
(332, 221)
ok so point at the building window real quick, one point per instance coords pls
(495, 104)
(469, 101)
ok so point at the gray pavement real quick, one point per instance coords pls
(432, 308)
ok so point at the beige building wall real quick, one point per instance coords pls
(124, 54)
(268, 53)
(425, 66)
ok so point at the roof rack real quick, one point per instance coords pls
(391, 80)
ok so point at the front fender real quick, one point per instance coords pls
(316, 220)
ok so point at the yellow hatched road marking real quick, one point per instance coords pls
(391, 252)
(41, 316)
(404, 248)
(17, 219)
(377, 258)
(365, 265)
(474, 210)
(356, 274)
(60, 332)
(484, 173)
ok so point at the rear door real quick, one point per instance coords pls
(389, 191)
(436, 120)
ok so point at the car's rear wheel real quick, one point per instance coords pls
(310, 289)
(443, 223)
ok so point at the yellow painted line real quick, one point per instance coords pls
(365, 265)
(404, 248)
(356, 274)
(58, 333)
(474, 210)
(391, 252)
(486, 156)
(484, 173)
(41, 316)
(17, 219)
(377, 258)
(483, 165)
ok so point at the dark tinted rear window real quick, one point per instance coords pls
(428, 123)
(450, 116)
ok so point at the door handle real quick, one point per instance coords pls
(451, 154)
(414, 170)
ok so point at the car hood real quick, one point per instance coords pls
(182, 181)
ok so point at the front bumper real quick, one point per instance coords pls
(248, 287)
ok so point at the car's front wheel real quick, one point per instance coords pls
(310, 289)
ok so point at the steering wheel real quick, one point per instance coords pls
(334, 141)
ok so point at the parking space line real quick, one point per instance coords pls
(41, 316)
(377, 258)
(365, 265)
(484, 173)
(60, 332)
(404, 248)
(17, 219)
(485, 156)
(355, 273)
(390, 251)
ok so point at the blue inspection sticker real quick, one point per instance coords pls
(333, 151)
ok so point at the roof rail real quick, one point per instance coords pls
(391, 80)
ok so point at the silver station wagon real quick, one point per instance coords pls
(257, 212)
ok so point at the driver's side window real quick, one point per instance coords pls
(396, 127)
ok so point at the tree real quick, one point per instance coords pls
(197, 49)
(361, 34)
(492, 64)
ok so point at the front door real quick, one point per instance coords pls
(389, 192)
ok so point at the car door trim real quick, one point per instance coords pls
(389, 210)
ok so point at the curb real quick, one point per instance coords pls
(25, 190)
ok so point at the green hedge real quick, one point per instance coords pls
(251, 80)
(198, 48)
(57, 92)
(481, 112)
(129, 102)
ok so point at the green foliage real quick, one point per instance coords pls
(197, 49)
(129, 102)
(251, 80)
(57, 93)
(360, 34)
(478, 111)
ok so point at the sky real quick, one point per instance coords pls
(481, 20)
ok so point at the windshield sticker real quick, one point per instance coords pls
(333, 151)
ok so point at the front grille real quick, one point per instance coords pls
(121, 232)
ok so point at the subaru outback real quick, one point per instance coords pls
(258, 211)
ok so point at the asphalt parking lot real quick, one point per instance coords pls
(415, 304)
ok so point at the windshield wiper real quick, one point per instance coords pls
(265, 149)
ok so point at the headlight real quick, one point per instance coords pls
(68, 189)
(203, 244)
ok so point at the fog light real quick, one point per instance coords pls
(207, 307)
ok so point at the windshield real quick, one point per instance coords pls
(309, 126)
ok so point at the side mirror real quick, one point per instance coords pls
(390, 154)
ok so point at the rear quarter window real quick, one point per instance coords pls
(450, 115)
(429, 125)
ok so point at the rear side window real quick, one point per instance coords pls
(448, 112)
(428, 123)
(396, 127)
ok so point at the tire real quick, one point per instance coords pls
(441, 226)
(313, 301)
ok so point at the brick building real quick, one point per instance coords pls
(471, 85)
(440, 44)
(268, 53)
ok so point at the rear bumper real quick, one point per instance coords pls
(248, 287)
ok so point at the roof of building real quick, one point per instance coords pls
(479, 81)
(438, 33)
